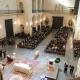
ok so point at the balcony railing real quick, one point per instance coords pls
(37, 11)
(11, 11)
(65, 11)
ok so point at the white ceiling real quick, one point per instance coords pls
(66, 3)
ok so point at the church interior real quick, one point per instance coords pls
(39, 40)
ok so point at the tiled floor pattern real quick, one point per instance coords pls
(43, 59)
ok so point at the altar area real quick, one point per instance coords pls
(28, 69)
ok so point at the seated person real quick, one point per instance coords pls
(9, 59)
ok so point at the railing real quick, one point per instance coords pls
(11, 11)
(37, 11)
(63, 11)
(59, 12)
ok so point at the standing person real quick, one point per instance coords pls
(65, 68)
(71, 69)
(2, 44)
(1, 75)
(4, 53)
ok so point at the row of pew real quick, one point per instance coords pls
(76, 48)
(58, 44)
(45, 29)
(62, 34)
(56, 47)
(21, 35)
(32, 42)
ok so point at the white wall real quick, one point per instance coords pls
(11, 5)
(50, 5)
(16, 27)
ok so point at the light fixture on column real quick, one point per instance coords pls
(15, 22)
(36, 22)
(40, 20)
(27, 23)
(0, 26)
(31, 23)
(44, 18)
(70, 22)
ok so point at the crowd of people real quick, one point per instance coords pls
(58, 44)
(31, 42)
(76, 48)
(70, 67)
(56, 47)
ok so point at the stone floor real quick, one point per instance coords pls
(44, 57)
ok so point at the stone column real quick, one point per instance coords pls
(77, 26)
(28, 15)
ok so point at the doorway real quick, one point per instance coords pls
(57, 22)
(9, 28)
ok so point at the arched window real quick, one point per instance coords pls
(42, 4)
(39, 4)
(21, 6)
(33, 4)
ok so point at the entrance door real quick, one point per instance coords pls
(9, 28)
(57, 22)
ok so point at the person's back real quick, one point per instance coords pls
(65, 68)
(71, 69)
